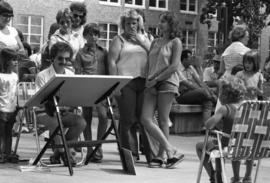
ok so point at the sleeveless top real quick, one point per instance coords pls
(160, 58)
(228, 122)
(132, 60)
(9, 40)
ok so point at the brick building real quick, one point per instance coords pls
(34, 17)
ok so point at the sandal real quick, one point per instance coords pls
(172, 162)
(156, 163)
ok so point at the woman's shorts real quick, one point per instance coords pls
(163, 87)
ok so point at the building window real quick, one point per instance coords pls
(111, 2)
(189, 40)
(107, 33)
(212, 41)
(32, 29)
(158, 4)
(135, 3)
(189, 6)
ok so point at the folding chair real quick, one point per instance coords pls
(25, 91)
(249, 139)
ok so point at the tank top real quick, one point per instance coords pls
(10, 39)
(228, 122)
(160, 58)
(132, 60)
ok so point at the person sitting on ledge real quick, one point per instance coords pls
(192, 90)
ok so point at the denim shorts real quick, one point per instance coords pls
(163, 87)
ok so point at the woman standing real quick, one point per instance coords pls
(8, 35)
(128, 57)
(162, 87)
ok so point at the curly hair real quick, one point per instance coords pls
(129, 14)
(81, 7)
(232, 90)
(173, 24)
(252, 56)
(91, 28)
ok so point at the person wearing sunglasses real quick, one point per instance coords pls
(61, 53)
(66, 35)
(78, 12)
(8, 35)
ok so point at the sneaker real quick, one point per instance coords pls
(173, 162)
(156, 163)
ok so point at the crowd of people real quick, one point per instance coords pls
(163, 73)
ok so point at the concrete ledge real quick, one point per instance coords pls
(186, 118)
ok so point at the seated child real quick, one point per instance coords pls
(232, 93)
(8, 102)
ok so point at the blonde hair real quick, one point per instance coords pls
(132, 14)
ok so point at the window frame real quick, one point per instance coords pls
(158, 8)
(215, 40)
(29, 25)
(109, 3)
(186, 45)
(108, 33)
(187, 11)
(133, 5)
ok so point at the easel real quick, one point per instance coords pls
(53, 90)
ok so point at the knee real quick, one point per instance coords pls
(81, 123)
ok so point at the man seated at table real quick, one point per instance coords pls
(60, 53)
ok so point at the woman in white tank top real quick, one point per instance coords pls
(8, 35)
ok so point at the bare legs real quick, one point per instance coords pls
(163, 101)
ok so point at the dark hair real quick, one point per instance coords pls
(81, 8)
(60, 47)
(91, 28)
(20, 34)
(6, 8)
(7, 55)
(238, 33)
(173, 24)
(237, 68)
(28, 48)
(254, 57)
(185, 54)
(58, 16)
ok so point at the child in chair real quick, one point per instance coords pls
(8, 102)
(232, 93)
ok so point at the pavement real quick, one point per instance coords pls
(110, 170)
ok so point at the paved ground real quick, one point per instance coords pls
(110, 169)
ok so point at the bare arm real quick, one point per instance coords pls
(221, 68)
(19, 42)
(113, 55)
(216, 118)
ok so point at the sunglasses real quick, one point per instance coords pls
(76, 16)
(6, 15)
(63, 58)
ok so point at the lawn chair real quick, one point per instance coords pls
(249, 139)
(25, 91)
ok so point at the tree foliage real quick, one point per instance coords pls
(252, 12)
